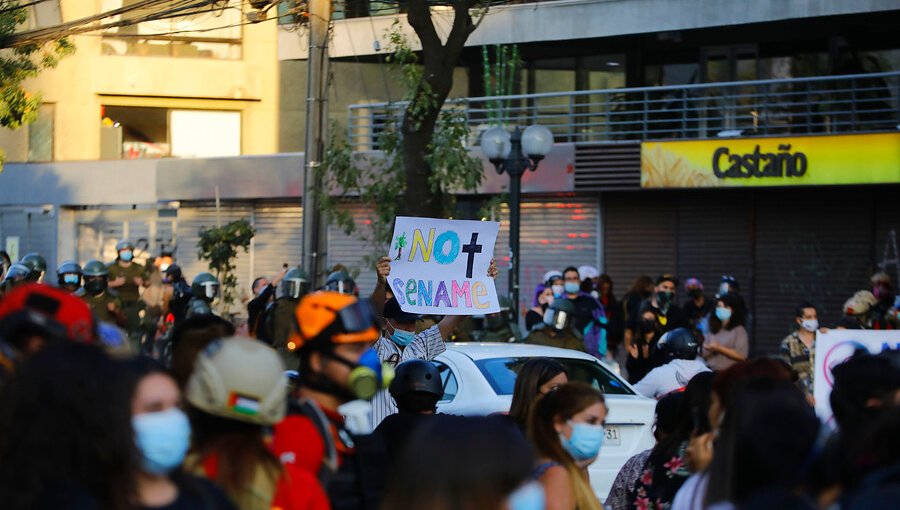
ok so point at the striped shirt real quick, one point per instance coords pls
(801, 359)
(427, 345)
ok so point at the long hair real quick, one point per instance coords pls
(692, 416)
(65, 425)
(765, 442)
(459, 463)
(562, 405)
(738, 313)
(639, 287)
(532, 375)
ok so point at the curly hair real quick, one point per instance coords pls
(65, 428)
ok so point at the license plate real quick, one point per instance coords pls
(613, 436)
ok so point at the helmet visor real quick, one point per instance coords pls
(357, 317)
(293, 287)
(556, 319)
(71, 279)
(210, 289)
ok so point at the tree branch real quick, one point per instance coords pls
(419, 18)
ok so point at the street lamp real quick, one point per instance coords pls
(514, 154)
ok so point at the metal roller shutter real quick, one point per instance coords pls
(100, 230)
(279, 237)
(191, 218)
(36, 231)
(354, 252)
(640, 236)
(887, 231)
(809, 249)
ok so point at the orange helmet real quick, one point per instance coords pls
(327, 318)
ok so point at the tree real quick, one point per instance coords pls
(18, 106)
(218, 246)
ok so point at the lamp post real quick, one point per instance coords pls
(514, 154)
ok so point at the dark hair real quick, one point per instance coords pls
(667, 277)
(533, 374)
(570, 269)
(474, 463)
(738, 313)
(638, 288)
(65, 428)
(255, 281)
(192, 336)
(803, 306)
(605, 278)
(765, 442)
(139, 367)
(726, 380)
(858, 381)
(667, 414)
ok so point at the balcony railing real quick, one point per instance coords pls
(819, 105)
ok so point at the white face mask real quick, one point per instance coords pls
(810, 325)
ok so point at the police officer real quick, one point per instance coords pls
(127, 277)
(68, 276)
(556, 328)
(37, 266)
(205, 289)
(340, 281)
(178, 291)
(278, 321)
(104, 302)
(16, 275)
(497, 326)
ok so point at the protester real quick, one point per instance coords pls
(66, 438)
(590, 280)
(697, 307)
(642, 350)
(478, 463)
(237, 389)
(416, 389)
(679, 350)
(68, 276)
(556, 329)
(589, 318)
(728, 285)
(858, 311)
(37, 266)
(640, 290)
(669, 315)
(178, 292)
(189, 338)
(263, 293)
(728, 342)
(663, 426)
(798, 349)
(205, 289)
(155, 307)
(615, 321)
(163, 436)
(543, 297)
(536, 377)
(566, 430)
(883, 290)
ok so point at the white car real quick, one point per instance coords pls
(479, 378)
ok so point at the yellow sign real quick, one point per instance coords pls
(805, 160)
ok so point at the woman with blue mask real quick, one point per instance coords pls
(162, 434)
(566, 431)
(728, 342)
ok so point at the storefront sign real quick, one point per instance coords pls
(751, 162)
(833, 348)
(440, 267)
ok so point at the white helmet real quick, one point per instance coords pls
(240, 379)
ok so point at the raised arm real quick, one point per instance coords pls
(383, 270)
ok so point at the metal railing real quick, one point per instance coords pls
(819, 105)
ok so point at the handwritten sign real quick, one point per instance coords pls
(835, 347)
(440, 267)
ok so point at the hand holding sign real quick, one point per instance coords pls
(444, 267)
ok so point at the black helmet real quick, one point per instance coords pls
(559, 314)
(340, 281)
(96, 276)
(295, 283)
(416, 375)
(15, 275)
(36, 264)
(680, 343)
(173, 272)
(68, 274)
(205, 286)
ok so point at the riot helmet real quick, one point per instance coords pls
(96, 277)
(416, 375)
(172, 273)
(68, 275)
(37, 266)
(295, 283)
(16, 275)
(340, 281)
(125, 251)
(205, 286)
(559, 314)
(680, 343)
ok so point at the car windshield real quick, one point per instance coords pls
(501, 374)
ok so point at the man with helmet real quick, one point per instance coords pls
(416, 389)
(340, 281)
(37, 266)
(178, 292)
(68, 276)
(338, 370)
(278, 320)
(127, 277)
(205, 288)
(556, 328)
(679, 349)
(16, 275)
(263, 292)
(104, 302)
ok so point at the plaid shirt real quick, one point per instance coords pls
(801, 359)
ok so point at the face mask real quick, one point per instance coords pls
(95, 286)
(648, 325)
(572, 287)
(401, 337)
(810, 325)
(527, 497)
(163, 439)
(585, 442)
(723, 313)
(558, 290)
(880, 292)
(695, 293)
(126, 255)
(545, 301)
(664, 298)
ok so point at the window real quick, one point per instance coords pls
(448, 381)
(501, 374)
(132, 132)
(212, 31)
(31, 142)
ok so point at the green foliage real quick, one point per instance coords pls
(418, 93)
(500, 77)
(17, 105)
(219, 246)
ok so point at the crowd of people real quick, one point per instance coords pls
(121, 388)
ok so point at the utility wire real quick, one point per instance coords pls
(21, 6)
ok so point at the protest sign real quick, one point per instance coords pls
(833, 348)
(440, 267)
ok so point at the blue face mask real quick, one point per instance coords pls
(723, 313)
(126, 255)
(401, 337)
(572, 287)
(585, 442)
(527, 497)
(163, 439)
